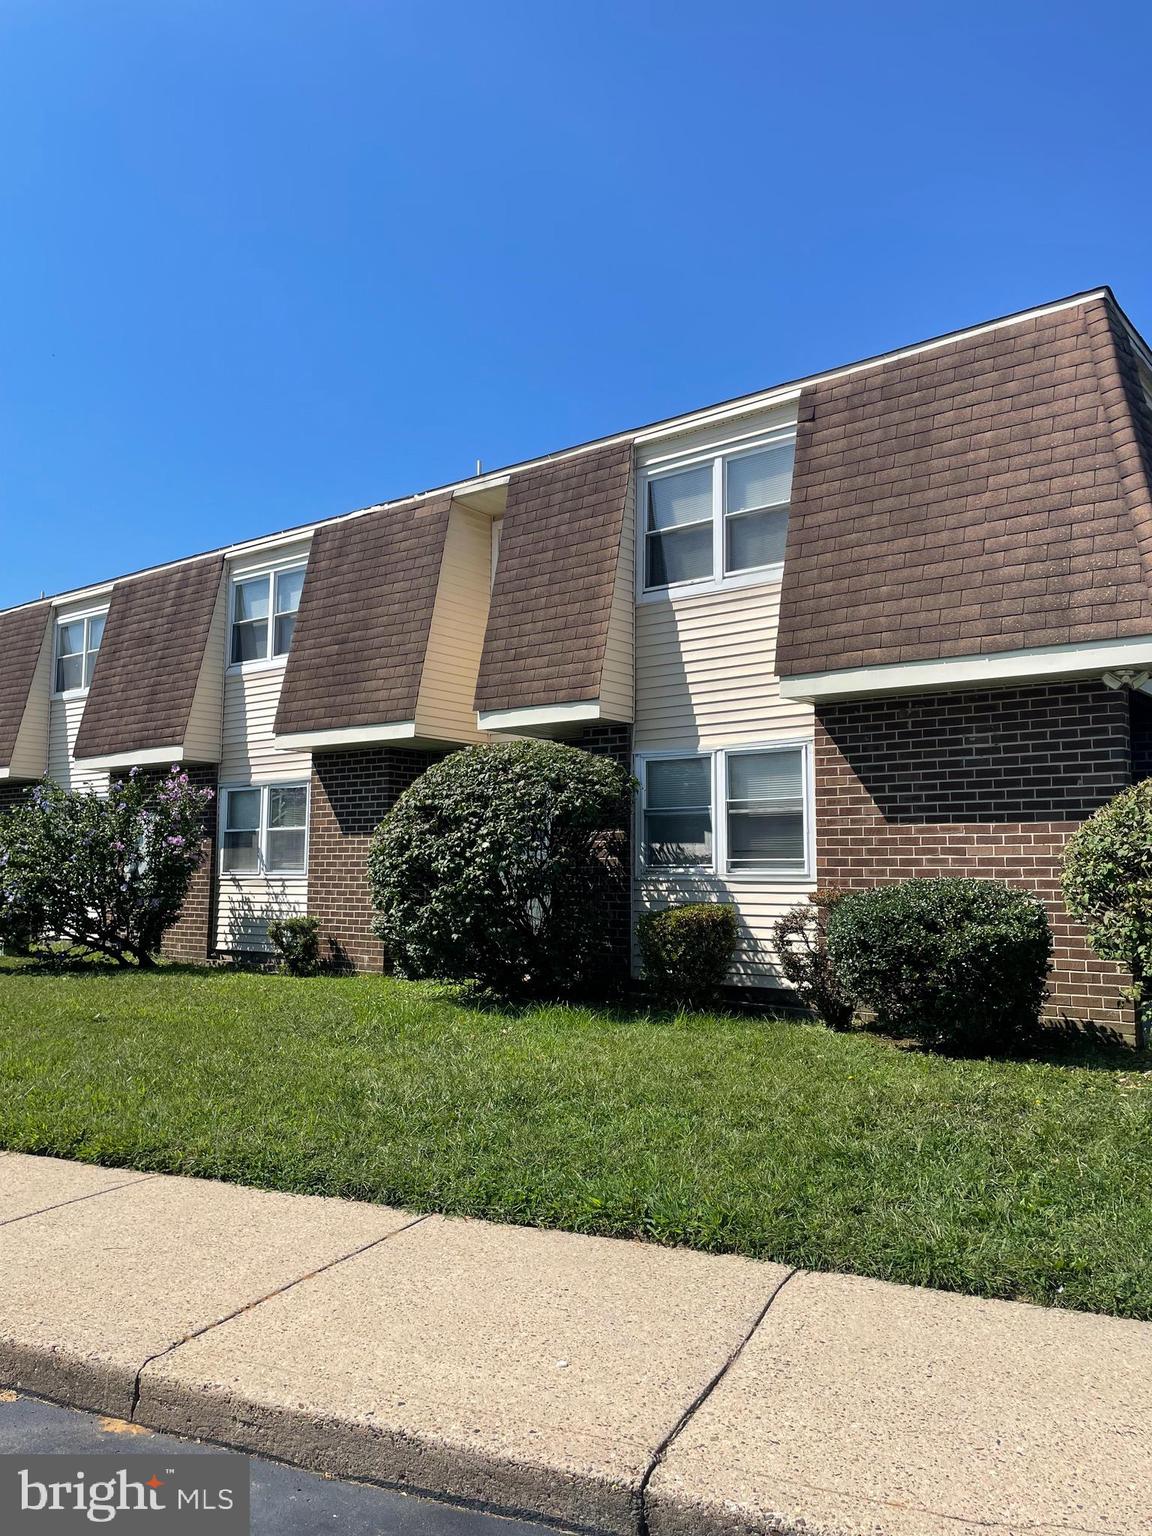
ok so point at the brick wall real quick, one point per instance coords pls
(986, 784)
(11, 795)
(191, 939)
(615, 741)
(351, 791)
(1141, 707)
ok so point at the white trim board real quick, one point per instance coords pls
(539, 715)
(345, 736)
(743, 405)
(1054, 661)
(146, 757)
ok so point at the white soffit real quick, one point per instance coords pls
(539, 716)
(970, 671)
(345, 736)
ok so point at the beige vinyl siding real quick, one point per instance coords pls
(446, 709)
(30, 754)
(617, 692)
(758, 905)
(245, 904)
(202, 738)
(704, 671)
(64, 723)
(65, 715)
(704, 679)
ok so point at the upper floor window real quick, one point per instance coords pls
(719, 517)
(264, 614)
(736, 811)
(77, 646)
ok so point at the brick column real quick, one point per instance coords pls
(615, 741)
(351, 792)
(987, 784)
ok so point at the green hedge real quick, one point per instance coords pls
(687, 951)
(501, 865)
(962, 961)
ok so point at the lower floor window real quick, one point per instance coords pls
(265, 829)
(737, 810)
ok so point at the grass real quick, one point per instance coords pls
(733, 1134)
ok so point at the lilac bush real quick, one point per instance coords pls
(106, 873)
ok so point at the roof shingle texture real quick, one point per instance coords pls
(21, 636)
(988, 495)
(357, 655)
(150, 659)
(552, 597)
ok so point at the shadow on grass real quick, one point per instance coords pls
(635, 1006)
(1060, 1043)
(1057, 1043)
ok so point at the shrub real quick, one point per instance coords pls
(687, 951)
(801, 940)
(500, 864)
(297, 942)
(962, 961)
(1107, 883)
(107, 873)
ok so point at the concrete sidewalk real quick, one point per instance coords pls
(607, 1386)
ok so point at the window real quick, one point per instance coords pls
(265, 830)
(678, 812)
(77, 646)
(764, 810)
(737, 811)
(264, 614)
(723, 517)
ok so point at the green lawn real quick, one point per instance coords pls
(732, 1134)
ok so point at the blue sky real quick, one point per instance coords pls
(268, 260)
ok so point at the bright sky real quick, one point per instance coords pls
(268, 260)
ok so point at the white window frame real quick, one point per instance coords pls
(262, 872)
(719, 456)
(642, 759)
(268, 573)
(73, 618)
(718, 781)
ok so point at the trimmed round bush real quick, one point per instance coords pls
(949, 961)
(687, 951)
(1107, 883)
(500, 865)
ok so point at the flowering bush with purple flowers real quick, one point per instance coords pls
(106, 873)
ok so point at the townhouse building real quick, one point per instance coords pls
(891, 620)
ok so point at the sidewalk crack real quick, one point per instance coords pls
(93, 1194)
(698, 1402)
(259, 1301)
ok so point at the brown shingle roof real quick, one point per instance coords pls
(149, 662)
(984, 496)
(552, 598)
(21, 636)
(358, 652)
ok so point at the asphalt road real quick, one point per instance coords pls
(285, 1502)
